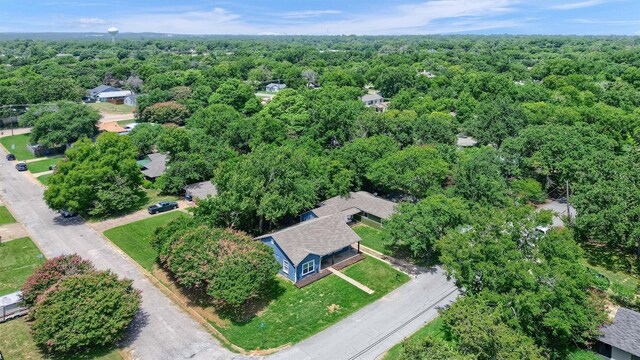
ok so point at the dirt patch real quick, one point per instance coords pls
(333, 308)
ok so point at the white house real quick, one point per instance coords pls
(273, 87)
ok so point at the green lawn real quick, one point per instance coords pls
(295, 314)
(16, 343)
(372, 238)
(5, 216)
(109, 108)
(153, 197)
(44, 179)
(18, 260)
(20, 142)
(133, 238)
(42, 165)
(377, 275)
(126, 122)
(434, 328)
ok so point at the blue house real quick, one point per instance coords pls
(324, 234)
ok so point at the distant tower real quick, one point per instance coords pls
(113, 31)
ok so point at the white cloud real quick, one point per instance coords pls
(579, 5)
(308, 13)
(423, 17)
(91, 21)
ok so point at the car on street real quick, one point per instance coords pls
(21, 166)
(162, 207)
(68, 214)
(11, 157)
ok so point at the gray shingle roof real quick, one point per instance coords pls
(101, 88)
(320, 236)
(371, 97)
(156, 166)
(360, 200)
(201, 190)
(624, 332)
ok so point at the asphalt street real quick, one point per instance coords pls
(161, 329)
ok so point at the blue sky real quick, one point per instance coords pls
(325, 17)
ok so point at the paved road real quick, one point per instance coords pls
(376, 328)
(161, 330)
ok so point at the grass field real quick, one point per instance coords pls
(18, 259)
(372, 238)
(108, 108)
(434, 328)
(42, 165)
(16, 343)
(5, 216)
(295, 314)
(44, 179)
(20, 142)
(133, 238)
(126, 122)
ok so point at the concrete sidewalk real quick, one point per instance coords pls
(351, 281)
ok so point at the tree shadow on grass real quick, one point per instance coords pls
(610, 258)
(199, 300)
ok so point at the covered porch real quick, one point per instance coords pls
(339, 257)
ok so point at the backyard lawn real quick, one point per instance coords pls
(134, 238)
(16, 343)
(126, 122)
(42, 165)
(108, 108)
(5, 216)
(295, 314)
(372, 238)
(44, 179)
(20, 142)
(18, 259)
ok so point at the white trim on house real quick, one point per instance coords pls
(285, 266)
(309, 271)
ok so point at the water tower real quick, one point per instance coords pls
(113, 31)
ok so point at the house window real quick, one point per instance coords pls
(285, 266)
(308, 267)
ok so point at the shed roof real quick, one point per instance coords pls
(466, 141)
(113, 94)
(360, 200)
(156, 166)
(624, 332)
(201, 190)
(321, 236)
(371, 97)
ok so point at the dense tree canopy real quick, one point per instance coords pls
(227, 265)
(61, 123)
(96, 178)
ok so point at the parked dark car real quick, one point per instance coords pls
(11, 157)
(21, 166)
(68, 214)
(162, 207)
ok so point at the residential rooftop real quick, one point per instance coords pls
(624, 332)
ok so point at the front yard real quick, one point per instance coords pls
(295, 314)
(18, 260)
(19, 144)
(288, 315)
(16, 343)
(43, 165)
(109, 108)
(134, 238)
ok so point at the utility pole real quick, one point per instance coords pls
(568, 207)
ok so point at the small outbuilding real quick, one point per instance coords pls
(10, 306)
(131, 100)
(200, 191)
